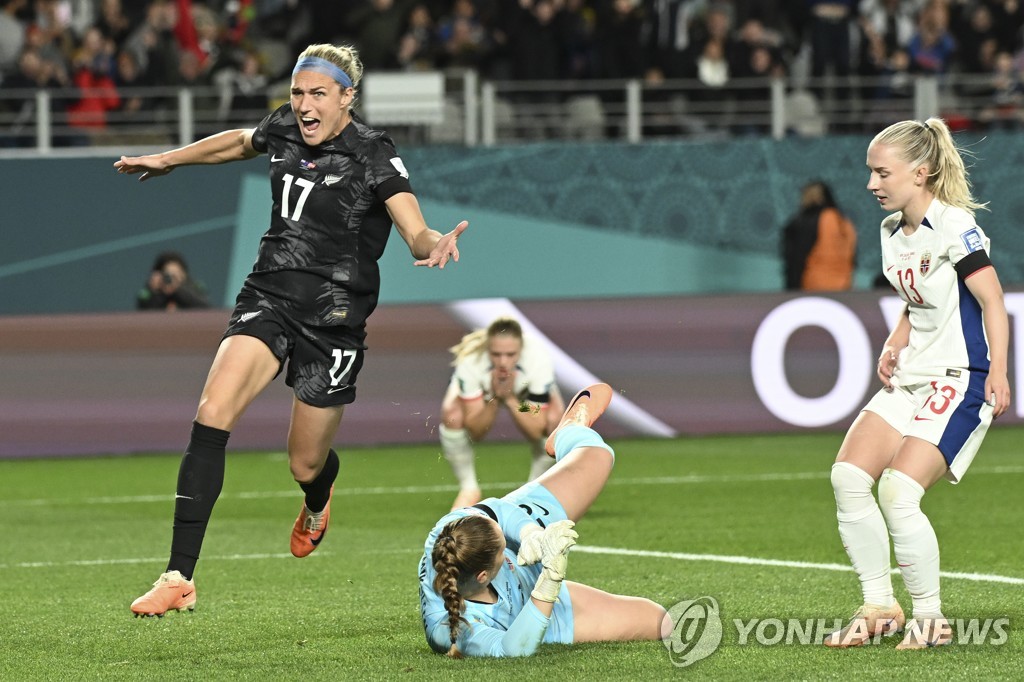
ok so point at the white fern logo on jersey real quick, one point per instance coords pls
(245, 317)
(332, 179)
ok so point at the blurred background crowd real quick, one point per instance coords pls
(106, 48)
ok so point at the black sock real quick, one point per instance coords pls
(200, 479)
(318, 491)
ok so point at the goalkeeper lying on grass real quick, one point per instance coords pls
(492, 576)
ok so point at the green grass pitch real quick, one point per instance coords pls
(81, 538)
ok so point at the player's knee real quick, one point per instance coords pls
(304, 468)
(849, 479)
(898, 494)
(452, 417)
(216, 414)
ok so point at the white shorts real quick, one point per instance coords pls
(948, 412)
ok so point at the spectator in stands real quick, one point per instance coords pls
(829, 35)
(34, 72)
(12, 35)
(977, 41)
(932, 46)
(113, 22)
(886, 29)
(378, 26)
(93, 76)
(170, 287)
(248, 90)
(619, 40)
(129, 75)
(155, 47)
(1008, 20)
(819, 244)
(1007, 94)
(463, 38)
(418, 48)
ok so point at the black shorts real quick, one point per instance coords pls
(323, 362)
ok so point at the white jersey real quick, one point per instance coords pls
(928, 269)
(535, 375)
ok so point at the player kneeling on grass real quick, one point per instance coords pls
(497, 368)
(492, 576)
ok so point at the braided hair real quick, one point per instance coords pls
(464, 547)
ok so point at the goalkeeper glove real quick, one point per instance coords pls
(537, 542)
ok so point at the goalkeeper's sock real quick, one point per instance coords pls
(318, 491)
(913, 540)
(863, 532)
(458, 450)
(541, 462)
(200, 479)
(573, 436)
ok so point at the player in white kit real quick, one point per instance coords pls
(497, 368)
(943, 370)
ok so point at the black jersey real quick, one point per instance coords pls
(328, 223)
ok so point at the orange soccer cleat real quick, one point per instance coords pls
(310, 528)
(583, 410)
(870, 620)
(171, 592)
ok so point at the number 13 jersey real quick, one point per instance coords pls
(928, 269)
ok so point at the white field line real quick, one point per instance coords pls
(754, 561)
(585, 549)
(449, 488)
(664, 480)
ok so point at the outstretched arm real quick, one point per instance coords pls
(230, 145)
(428, 246)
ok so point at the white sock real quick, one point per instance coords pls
(541, 461)
(863, 532)
(458, 450)
(913, 540)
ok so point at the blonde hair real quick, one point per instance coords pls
(464, 547)
(931, 144)
(475, 342)
(345, 57)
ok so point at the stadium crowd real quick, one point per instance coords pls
(100, 47)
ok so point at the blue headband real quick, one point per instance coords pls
(320, 65)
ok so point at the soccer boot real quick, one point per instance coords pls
(868, 621)
(583, 410)
(310, 528)
(924, 633)
(171, 592)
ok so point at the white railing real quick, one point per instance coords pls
(477, 112)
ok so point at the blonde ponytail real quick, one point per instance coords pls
(930, 144)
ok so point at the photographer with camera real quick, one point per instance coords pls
(169, 286)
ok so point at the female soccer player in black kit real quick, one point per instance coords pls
(337, 187)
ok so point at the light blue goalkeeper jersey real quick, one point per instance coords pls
(513, 626)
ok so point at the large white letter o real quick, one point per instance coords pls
(768, 367)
